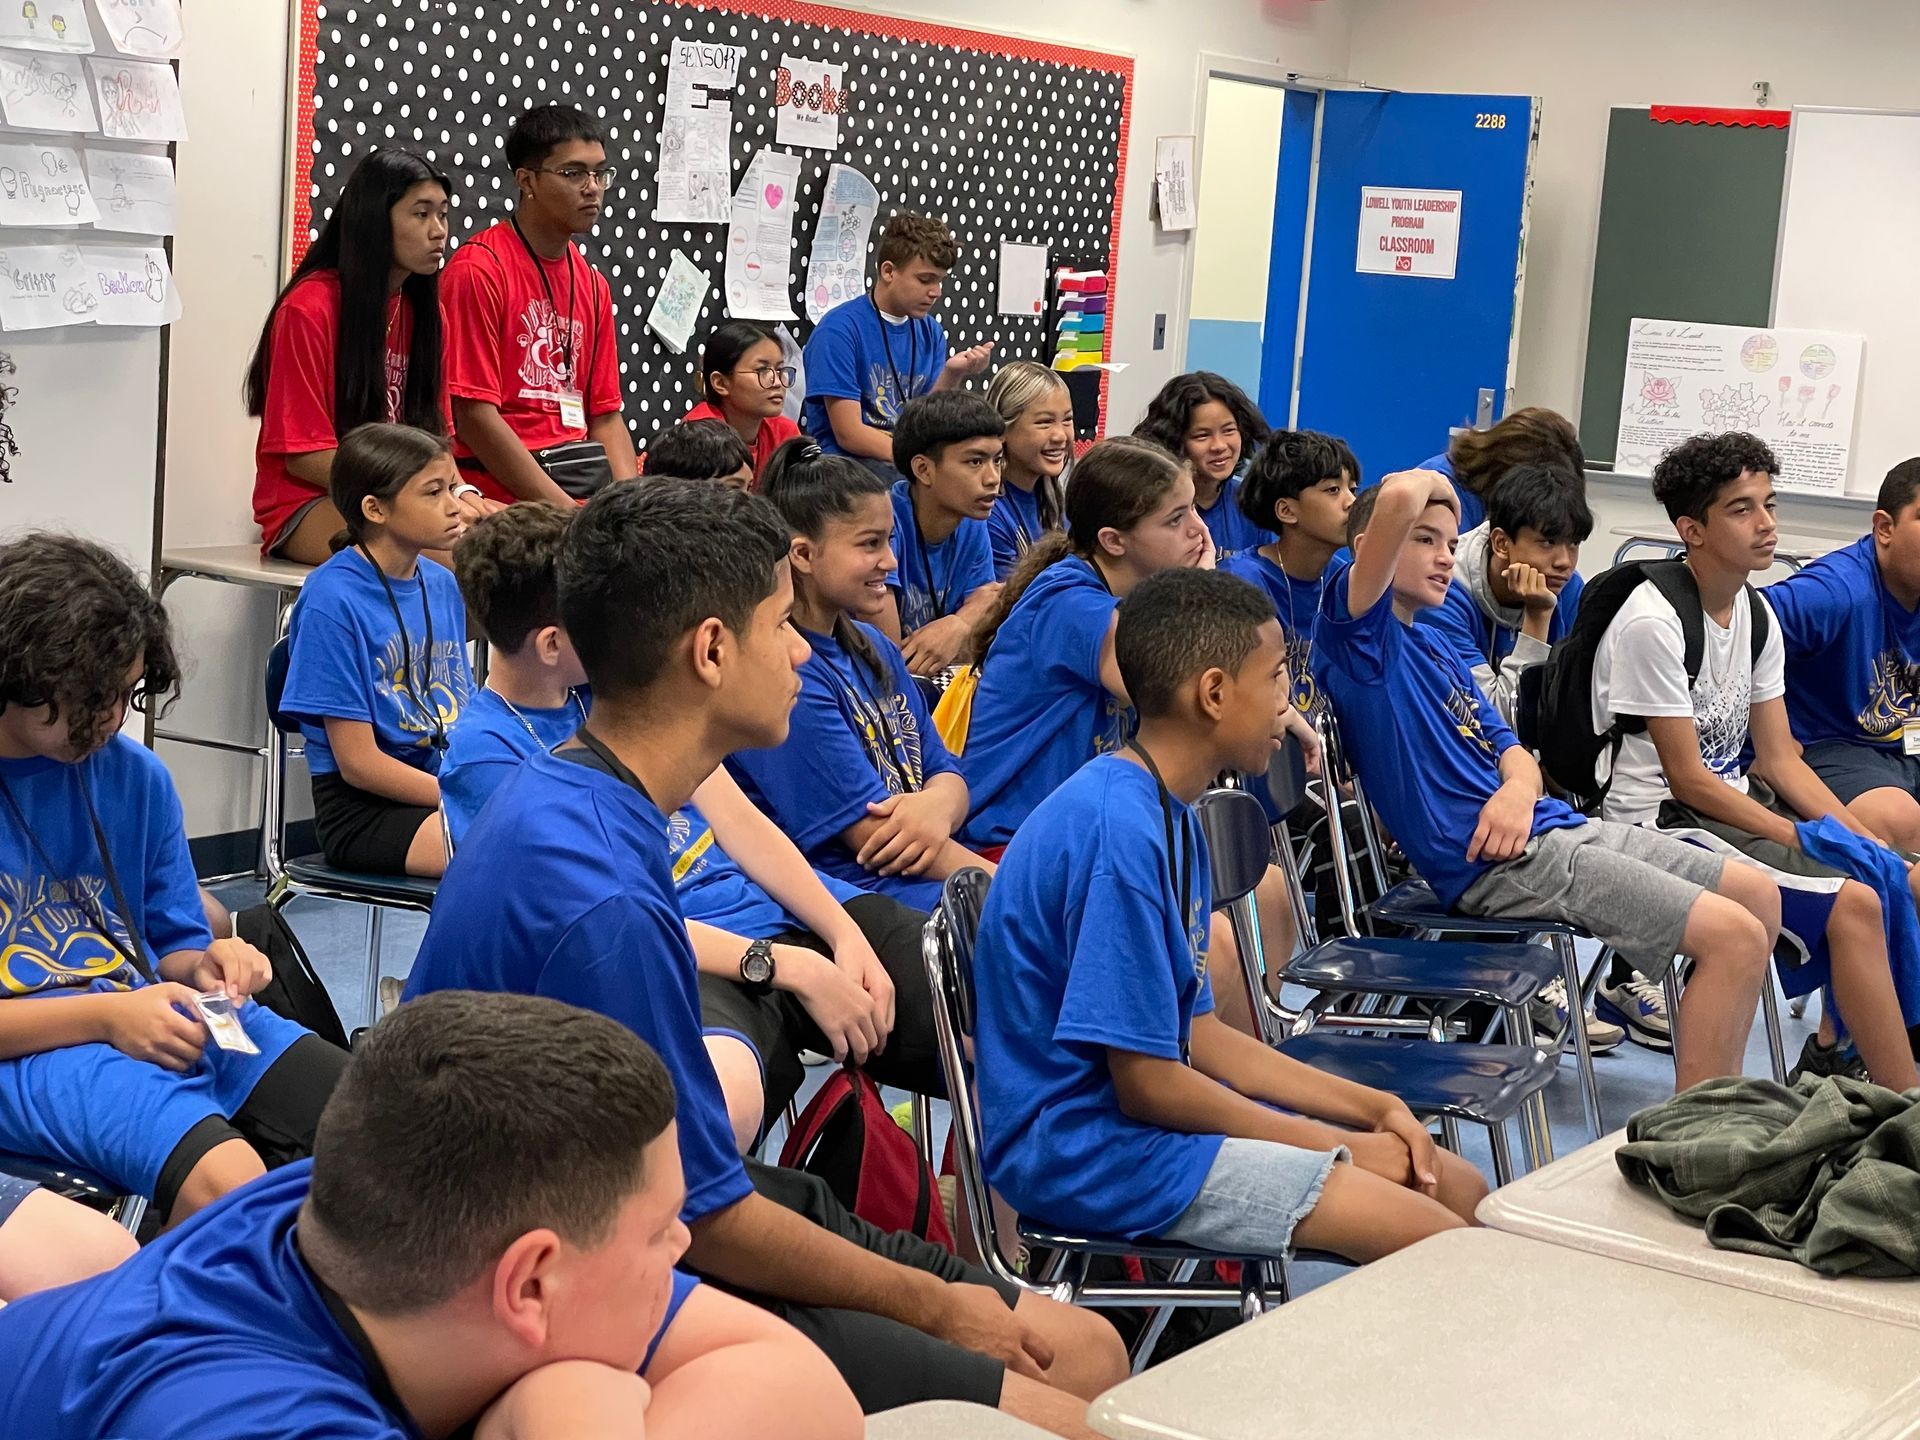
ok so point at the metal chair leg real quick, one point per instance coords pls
(1770, 1012)
(1577, 1025)
(131, 1210)
(1150, 1337)
(1536, 1131)
(1671, 986)
(376, 918)
(1502, 1151)
(1450, 1133)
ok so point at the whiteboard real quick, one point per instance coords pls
(1846, 262)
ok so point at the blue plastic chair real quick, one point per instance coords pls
(311, 874)
(73, 1183)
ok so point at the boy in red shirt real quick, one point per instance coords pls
(531, 362)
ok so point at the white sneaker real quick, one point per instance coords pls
(1641, 1005)
(1549, 1012)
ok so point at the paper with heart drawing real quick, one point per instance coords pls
(837, 268)
(760, 245)
(138, 101)
(45, 92)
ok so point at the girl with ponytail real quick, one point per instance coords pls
(863, 784)
(1050, 696)
(1034, 402)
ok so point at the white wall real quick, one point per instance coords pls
(1582, 59)
(227, 253)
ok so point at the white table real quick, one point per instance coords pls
(1585, 1203)
(1476, 1335)
(948, 1420)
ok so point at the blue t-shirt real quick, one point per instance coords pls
(1232, 531)
(852, 741)
(933, 581)
(1040, 711)
(563, 888)
(1012, 527)
(713, 889)
(55, 897)
(1426, 741)
(1083, 948)
(1478, 638)
(218, 1330)
(853, 354)
(1296, 603)
(488, 743)
(347, 661)
(1473, 510)
(1853, 654)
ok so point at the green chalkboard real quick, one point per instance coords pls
(1688, 219)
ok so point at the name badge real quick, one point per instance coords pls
(573, 410)
(1910, 737)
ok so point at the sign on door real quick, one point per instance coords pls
(1408, 232)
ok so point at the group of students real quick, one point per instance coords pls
(691, 825)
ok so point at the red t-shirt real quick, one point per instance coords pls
(298, 416)
(775, 431)
(511, 346)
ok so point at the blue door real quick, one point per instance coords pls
(1414, 261)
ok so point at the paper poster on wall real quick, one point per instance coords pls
(143, 27)
(9, 394)
(137, 101)
(1023, 278)
(695, 175)
(133, 284)
(1173, 182)
(47, 25)
(837, 267)
(133, 191)
(1795, 389)
(676, 310)
(45, 92)
(43, 287)
(1408, 232)
(44, 185)
(760, 246)
(809, 96)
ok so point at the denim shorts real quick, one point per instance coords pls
(1255, 1192)
(12, 1191)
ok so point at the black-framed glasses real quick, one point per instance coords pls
(579, 175)
(767, 375)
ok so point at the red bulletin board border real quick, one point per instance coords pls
(1715, 115)
(796, 11)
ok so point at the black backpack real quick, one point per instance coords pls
(295, 992)
(1569, 747)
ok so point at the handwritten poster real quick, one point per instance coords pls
(44, 185)
(1173, 182)
(1408, 232)
(47, 25)
(133, 284)
(1798, 390)
(760, 246)
(42, 287)
(143, 27)
(694, 180)
(45, 92)
(676, 309)
(837, 267)
(809, 96)
(132, 191)
(137, 101)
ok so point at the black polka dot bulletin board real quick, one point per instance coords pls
(1004, 138)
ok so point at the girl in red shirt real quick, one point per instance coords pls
(745, 376)
(354, 337)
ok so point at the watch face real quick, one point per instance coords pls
(757, 967)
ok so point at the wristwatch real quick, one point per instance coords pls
(756, 968)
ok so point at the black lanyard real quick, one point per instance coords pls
(432, 712)
(605, 761)
(886, 344)
(562, 323)
(137, 956)
(1181, 863)
(850, 713)
(938, 598)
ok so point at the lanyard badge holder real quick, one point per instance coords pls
(432, 712)
(579, 467)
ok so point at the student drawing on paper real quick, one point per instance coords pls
(1833, 394)
(1786, 389)
(156, 283)
(1659, 398)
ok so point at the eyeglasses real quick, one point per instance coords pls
(579, 175)
(770, 375)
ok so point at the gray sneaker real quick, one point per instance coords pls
(1549, 1012)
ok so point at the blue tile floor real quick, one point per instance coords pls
(335, 936)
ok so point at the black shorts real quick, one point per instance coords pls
(777, 1027)
(278, 1120)
(885, 1363)
(1851, 770)
(361, 831)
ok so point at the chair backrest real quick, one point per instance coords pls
(946, 949)
(1341, 844)
(1239, 844)
(1287, 777)
(278, 659)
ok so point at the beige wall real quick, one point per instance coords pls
(1239, 166)
(233, 79)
